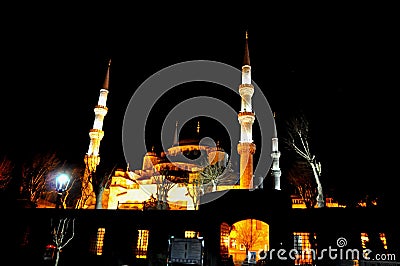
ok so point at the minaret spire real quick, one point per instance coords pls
(275, 169)
(176, 139)
(246, 148)
(96, 134)
(100, 110)
(246, 60)
(107, 79)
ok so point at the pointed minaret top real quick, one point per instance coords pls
(175, 141)
(246, 60)
(107, 79)
(275, 134)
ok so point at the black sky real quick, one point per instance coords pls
(336, 64)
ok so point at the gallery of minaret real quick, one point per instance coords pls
(246, 148)
(96, 134)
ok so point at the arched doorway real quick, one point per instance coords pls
(242, 238)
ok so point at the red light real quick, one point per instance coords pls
(50, 246)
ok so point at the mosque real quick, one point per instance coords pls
(168, 181)
(252, 218)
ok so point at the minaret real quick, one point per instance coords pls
(96, 134)
(176, 138)
(246, 148)
(275, 170)
(198, 128)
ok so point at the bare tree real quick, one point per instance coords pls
(101, 181)
(6, 168)
(88, 195)
(301, 177)
(73, 192)
(246, 234)
(163, 187)
(62, 233)
(211, 173)
(299, 141)
(67, 194)
(195, 189)
(86, 189)
(94, 181)
(35, 175)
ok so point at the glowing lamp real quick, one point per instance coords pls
(62, 182)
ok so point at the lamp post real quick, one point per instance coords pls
(62, 182)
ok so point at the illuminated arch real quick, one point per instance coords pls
(242, 237)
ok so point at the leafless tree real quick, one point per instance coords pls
(301, 177)
(35, 175)
(246, 234)
(298, 140)
(86, 191)
(101, 181)
(211, 173)
(73, 192)
(195, 189)
(164, 185)
(94, 181)
(6, 168)
(63, 231)
(87, 196)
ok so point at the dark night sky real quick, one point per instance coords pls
(335, 64)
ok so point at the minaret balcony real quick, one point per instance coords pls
(246, 114)
(246, 89)
(96, 133)
(250, 86)
(276, 172)
(95, 130)
(246, 117)
(244, 148)
(100, 110)
(101, 107)
(275, 155)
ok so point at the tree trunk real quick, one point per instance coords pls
(320, 195)
(164, 197)
(99, 198)
(57, 257)
(214, 186)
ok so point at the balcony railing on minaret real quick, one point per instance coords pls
(246, 148)
(96, 134)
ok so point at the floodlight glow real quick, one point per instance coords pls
(62, 182)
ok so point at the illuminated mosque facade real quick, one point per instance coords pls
(165, 179)
(250, 210)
